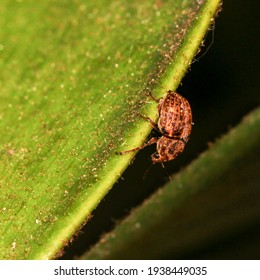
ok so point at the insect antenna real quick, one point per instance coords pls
(146, 171)
(166, 172)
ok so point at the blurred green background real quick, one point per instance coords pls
(222, 87)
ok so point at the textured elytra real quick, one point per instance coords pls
(175, 117)
(174, 123)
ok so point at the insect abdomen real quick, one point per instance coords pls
(175, 117)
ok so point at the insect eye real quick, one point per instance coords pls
(155, 155)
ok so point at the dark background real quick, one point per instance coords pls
(222, 87)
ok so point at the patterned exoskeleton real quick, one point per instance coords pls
(174, 123)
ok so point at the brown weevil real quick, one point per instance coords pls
(174, 123)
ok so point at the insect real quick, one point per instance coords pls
(174, 123)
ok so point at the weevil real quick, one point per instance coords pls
(174, 123)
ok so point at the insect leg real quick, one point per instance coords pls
(152, 123)
(154, 98)
(150, 142)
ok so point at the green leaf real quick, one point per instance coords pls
(73, 77)
(217, 194)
